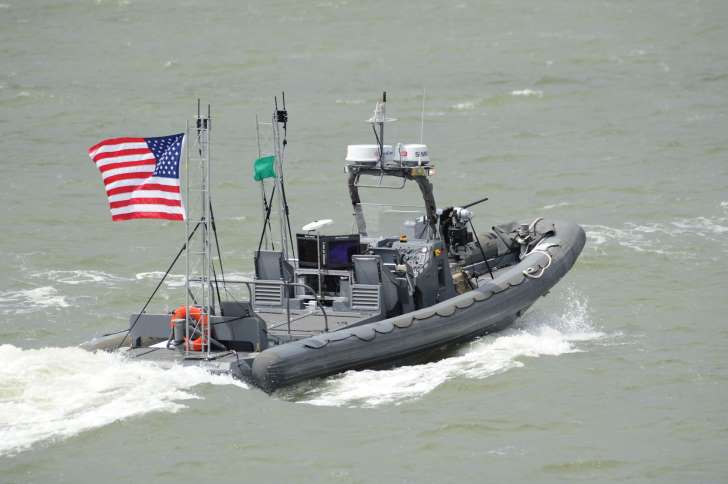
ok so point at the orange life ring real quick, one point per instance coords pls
(195, 312)
(197, 344)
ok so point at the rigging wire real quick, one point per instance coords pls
(219, 258)
(176, 258)
(482, 252)
(282, 117)
(269, 208)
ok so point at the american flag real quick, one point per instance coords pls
(141, 176)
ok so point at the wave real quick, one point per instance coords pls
(178, 280)
(51, 394)
(79, 276)
(536, 335)
(668, 238)
(464, 106)
(555, 205)
(30, 300)
(631, 236)
(702, 226)
(172, 280)
(528, 92)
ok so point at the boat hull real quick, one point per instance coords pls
(493, 306)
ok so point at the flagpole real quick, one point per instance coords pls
(210, 307)
(279, 183)
(262, 183)
(187, 245)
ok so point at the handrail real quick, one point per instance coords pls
(379, 185)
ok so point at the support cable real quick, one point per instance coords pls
(219, 259)
(485, 259)
(282, 117)
(269, 208)
(136, 320)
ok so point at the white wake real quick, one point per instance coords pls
(55, 393)
(534, 336)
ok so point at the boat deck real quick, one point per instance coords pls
(306, 323)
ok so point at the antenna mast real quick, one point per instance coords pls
(382, 116)
(378, 119)
(422, 116)
(280, 120)
(198, 280)
(266, 230)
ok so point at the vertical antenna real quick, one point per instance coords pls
(422, 116)
(257, 134)
(263, 195)
(200, 216)
(187, 233)
(379, 118)
(381, 126)
(281, 117)
(199, 127)
(209, 307)
(285, 120)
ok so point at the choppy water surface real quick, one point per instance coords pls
(609, 114)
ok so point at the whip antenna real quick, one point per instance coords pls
(422, 116)
(379, 117)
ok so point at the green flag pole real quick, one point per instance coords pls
(264, 167)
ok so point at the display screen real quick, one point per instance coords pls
(340, 250)
(307, 251)
(336, 251)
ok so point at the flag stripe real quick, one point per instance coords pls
(145, 194)
(125, 152)
(134, 183)
(146, 201)
(116, 145)
(143, 207)
(113, 166)
(139, 175)
(160, 215)
(160, 180)
(138, 169)
(147, 186)
(126, 159)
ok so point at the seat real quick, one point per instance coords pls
(368, 269)
(388, 254)
(271, 266)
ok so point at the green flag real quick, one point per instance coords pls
(264, 168)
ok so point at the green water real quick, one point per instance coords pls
(610, 114)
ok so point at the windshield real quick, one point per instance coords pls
(383, 220)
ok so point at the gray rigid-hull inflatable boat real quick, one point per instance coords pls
(405, 285)
(493, 305)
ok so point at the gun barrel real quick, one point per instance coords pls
(475, 202)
